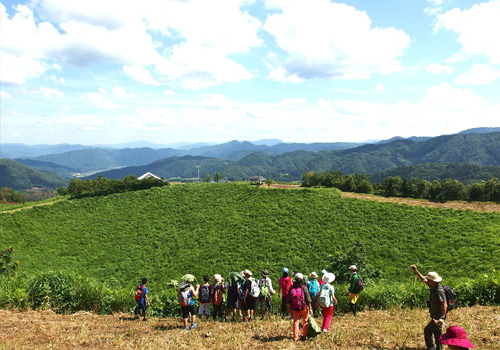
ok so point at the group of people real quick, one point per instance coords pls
(300, 299)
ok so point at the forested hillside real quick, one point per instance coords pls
(479, 149)
(20, 177)
(166, 232)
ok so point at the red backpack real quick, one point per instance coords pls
(138, 292)
(297, 298)
(217, 295)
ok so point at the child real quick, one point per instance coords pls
(187, 293)
(313, 288)
(217, 296)
(141, 296)
(456, 339)
(205, 298)
(327, 300)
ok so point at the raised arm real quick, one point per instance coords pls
(418, 274)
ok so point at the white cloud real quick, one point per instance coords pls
(101, 99)
(479, 74)
(445, 97)
(50, 93)
(324, 39)
(435, 68)
(4, 94)
(18, 69)
(379, 87)
(120, 93)
(140, 74)
(477, 29)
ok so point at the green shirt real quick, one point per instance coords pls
(436, 298)
(354, 282)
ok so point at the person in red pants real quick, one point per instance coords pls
(327, 300)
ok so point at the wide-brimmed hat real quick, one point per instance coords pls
(298, 276)
(353, 267)
(265, 273)
(456, 335)
(247, 273)
(433, 276)
(328, 277)
(313, 275)
(217, 277)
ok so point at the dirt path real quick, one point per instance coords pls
(462, 205)
(395, 329)
(34, 205)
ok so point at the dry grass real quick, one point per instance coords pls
(397, 329)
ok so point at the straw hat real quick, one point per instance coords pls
(433, 276)
(456, 336)
(264, 273)
(313, 275)
(353, 267)
(247, 273)
(328, 277)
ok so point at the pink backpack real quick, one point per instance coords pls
(297, 298)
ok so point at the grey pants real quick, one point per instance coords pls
(432, 332)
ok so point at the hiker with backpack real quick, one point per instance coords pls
(252, 292)
(313, 286)
(355, 288)
(327, 300)
(284, 284)
(205, 298)
(187, 293)
(437, 308)
(232, 287)
(141, 297)
(266, 291)
(217, 296)
(299, 301)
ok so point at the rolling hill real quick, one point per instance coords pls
(166, 232)
(20, 177)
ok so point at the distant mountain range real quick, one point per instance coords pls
(477, 149)
(237, 160)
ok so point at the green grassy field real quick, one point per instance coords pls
(217, 228)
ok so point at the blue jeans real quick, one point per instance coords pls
(141, 306)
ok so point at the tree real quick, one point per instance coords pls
(269, 182)
(207, 177)
(391, 186)
(217, 177)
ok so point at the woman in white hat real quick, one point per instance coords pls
(327, 300)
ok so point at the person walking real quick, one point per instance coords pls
(187, 293)
(284, 284)
(141, 296)
(353, 291)
(299, 301)
(250, 296)
(437, 309)
(313, 287)
(266, 291)
(327, 300)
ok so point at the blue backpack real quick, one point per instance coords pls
(313, 288)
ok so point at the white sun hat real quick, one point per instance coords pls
(329, 277)
(433, 276)
(353, 267)
(298, 276)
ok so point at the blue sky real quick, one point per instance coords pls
(167, 71)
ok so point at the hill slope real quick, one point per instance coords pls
(207, 228)
(20, 177)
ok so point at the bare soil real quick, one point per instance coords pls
(396, 329)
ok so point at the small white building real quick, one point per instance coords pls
(148, 175)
